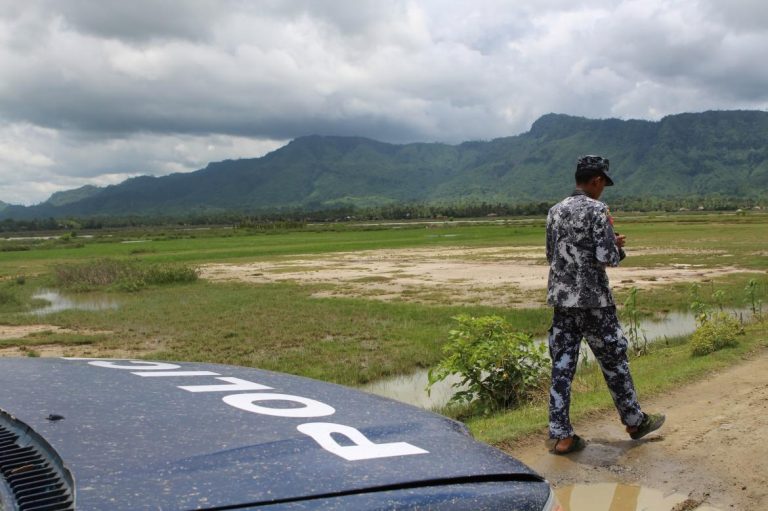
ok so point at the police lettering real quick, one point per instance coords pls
(256, 401)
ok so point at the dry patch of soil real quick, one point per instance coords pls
(501, 276)
(19, 331)
(59, 350)
(711, 448)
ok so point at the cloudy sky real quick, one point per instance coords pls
(96, 91)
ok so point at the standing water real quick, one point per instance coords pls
(58, 302)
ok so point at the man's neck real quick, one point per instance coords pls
(592, 194)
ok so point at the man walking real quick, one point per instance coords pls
(581, 242)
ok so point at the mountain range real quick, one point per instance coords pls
(721, 153)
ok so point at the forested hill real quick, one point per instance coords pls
(712, 153)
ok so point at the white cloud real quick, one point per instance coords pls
(36, 162)
(117, 88)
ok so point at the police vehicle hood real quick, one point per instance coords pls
(143, 435)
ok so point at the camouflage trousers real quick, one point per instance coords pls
(600, 327)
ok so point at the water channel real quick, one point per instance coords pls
(411, 388)
(405, 388)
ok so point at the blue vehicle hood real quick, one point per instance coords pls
(133, 438)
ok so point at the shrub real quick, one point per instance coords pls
(499, 368)
(123, 275)
(14, 248)
(715, 333)
(169, 273)
(91, 274)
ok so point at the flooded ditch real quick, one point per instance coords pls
(411, 388)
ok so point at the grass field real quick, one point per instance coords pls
(285, 326)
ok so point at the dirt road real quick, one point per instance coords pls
(712, 450)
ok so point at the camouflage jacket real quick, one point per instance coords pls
(580, 244)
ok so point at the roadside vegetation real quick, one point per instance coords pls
(499, 368)
(166, 312)
(666, 366)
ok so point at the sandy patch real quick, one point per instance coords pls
(59, 350)
(501, 276)
(20, 331)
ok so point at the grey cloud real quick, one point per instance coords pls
(346, 17)
(113, 79)
(684, 48)
(140, 20)
(739, 15)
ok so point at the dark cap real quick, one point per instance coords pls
(590, 166)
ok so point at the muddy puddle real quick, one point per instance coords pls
(624, 497)
(411, 388)
(58, 302)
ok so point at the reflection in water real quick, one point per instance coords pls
(410, 388)
(623, 497)
(58, 302)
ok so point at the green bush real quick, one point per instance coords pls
(14, 247)
(123, 275)
(718, 331)
(499, 368)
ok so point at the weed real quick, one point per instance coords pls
(718, 331)
(637, 338)
(499, 368)
(719, 297)
(756, 304)
(137, 251)
(699, 308)
(373, 279)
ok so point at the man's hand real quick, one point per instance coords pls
(620, 240)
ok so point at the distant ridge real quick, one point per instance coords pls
(684, 155)
(70, 196)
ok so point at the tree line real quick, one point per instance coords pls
(286, 219)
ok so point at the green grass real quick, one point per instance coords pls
(281, 327)
(723, 240)
(55, 338)
(680, 295)
(743, 238)
(356, 340)
(16, 297)
(271, 246)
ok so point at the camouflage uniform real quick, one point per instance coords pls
(580, 244)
